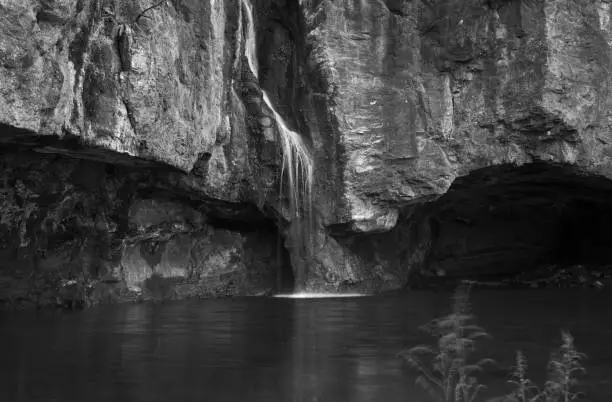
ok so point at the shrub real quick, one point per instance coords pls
(564, 367)
(524, 389)
(446, 370)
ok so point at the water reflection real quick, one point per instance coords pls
(341, 349)
(336, 355)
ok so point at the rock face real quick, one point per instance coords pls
(137, 150)
(425, 92)
(118, 233)
(126, 82)
(419, 93)
(148, 92)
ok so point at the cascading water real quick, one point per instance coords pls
(297, 165)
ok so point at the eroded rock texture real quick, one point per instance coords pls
(427, 91)
(153, 91)
(116, 233)
(504, 102)
(420, 93)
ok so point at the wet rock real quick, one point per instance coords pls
(417, 98)
(99, 80)
(79, 233)
(418, 103)
(399, 101)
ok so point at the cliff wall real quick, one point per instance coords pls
(423, 97)
(136, 144)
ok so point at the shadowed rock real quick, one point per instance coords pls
(505, 103)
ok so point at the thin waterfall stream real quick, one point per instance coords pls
(297, 165)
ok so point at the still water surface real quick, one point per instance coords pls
(270, 349)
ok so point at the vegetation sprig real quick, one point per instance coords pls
(449, 373)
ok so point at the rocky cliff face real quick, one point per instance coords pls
(78, 231)
(427, 96)
(126, 154)
(136, 145)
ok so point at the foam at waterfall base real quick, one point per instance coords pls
(319, 295)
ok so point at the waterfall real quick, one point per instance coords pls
(250, 44)
(297, 164)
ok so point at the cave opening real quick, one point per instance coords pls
(265, 228)
(67, 219)
(527, 222)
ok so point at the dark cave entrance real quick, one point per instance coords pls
(507, 221)
(88, 217)
(280, 273)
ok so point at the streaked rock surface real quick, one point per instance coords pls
(398, 100)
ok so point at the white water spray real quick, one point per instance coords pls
(297, 163)
(320, 295)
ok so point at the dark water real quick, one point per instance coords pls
(258, 349)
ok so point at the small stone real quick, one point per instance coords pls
(265, 121)
(135, 289)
